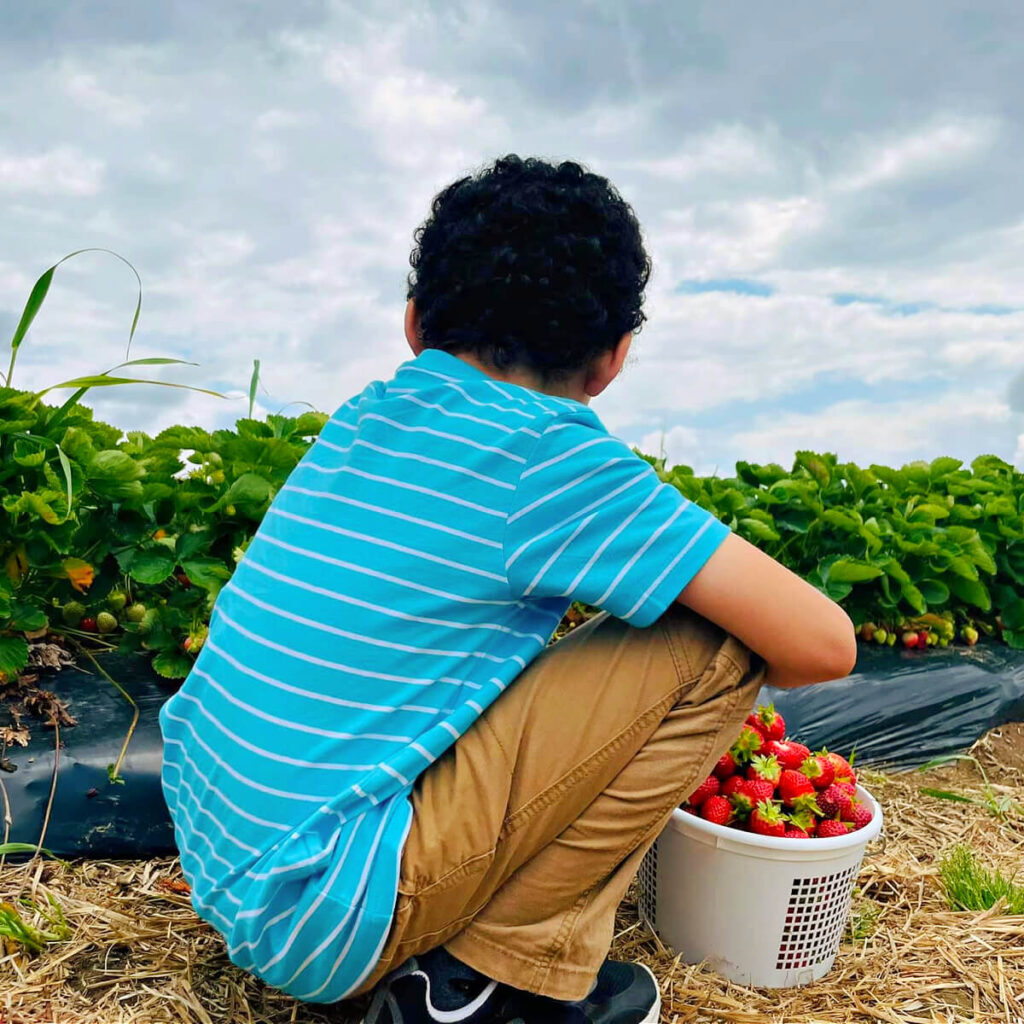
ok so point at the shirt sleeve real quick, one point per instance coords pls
(590, 521)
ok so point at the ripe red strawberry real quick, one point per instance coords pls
(726, 766)
(757, 790)
(709, 787)
(768, 721)
(829, 829)
(767, 820)
(843, 769)
(832, 801)
(731, 785)
(688, 808)
(748, 743)
(88, 624)
(848, 787)
(716, 809)
(819, 770)
(793, 785)
(861, 816)
(788, 753)
(922, 638)
(909, 640)
(767, 769)
(795, 833)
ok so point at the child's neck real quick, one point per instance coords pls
(571, 387)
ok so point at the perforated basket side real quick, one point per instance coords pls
(815, 918)
(647, 879)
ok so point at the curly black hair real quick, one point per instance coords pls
(529, 264)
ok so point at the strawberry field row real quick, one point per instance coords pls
(125, 539)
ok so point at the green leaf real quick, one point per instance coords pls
(795, 520)
(172, 664)
(757, 530)
(102, 380)
(913, 596)
(850, 570)
(13, 655)
(248, 489)
(973, 592)
(943, 466)
(151, 565)
(817, 466)
(190, 544)
(185, 437)
(309, 424)
(208, 573)
(27, 617)
(935, 592)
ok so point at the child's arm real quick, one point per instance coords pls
(803, 636)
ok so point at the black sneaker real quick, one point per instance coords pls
(438, 989)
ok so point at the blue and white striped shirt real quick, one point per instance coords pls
(416, 561)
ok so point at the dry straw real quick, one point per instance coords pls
(138, 954)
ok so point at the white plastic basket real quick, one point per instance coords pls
(760, 910)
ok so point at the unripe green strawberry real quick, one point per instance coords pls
(944, 641)
(891, 640)
(105, 622)
(229, 511)
(881, 636)
(217, 477)
(214, 459)
(134, 612)
(970, 635)
(117, 599)
(72, 613)
(148, 620)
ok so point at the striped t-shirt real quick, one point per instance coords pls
(416, 561)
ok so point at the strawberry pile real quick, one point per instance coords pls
(773, 786)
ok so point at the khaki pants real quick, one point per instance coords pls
(527, 833)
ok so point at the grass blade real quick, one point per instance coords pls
(253, 384)
(102, 380)
(66, 466)
(945, 794)
(38, 295)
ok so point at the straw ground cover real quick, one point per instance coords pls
(136, 953)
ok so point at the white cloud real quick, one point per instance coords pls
(677, 445)
(61, 170)
(730, 150)
(85, 90)
(869, 431)
(943, 144)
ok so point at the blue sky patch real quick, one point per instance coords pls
(736, 285)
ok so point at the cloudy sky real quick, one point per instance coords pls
(831, 193)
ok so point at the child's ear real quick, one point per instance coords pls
(607, 366)
(413, 335)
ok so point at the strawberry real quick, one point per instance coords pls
(757, 790)
(833, 801)
(726, 766)
(688, 808)
(767, 820)
(105, 622)
(843, 769)
(848, 787)
(819, 770)
(748, 743)
(793, 785)
(861, 816)
(970, 635)
(909, 640)
(829, 828)
(716, 809)
(922, 638)
(767, 769)
(795, 833)
(88, 624)
(709, 787)
(731, 785)
(768, 721)
(788, 753)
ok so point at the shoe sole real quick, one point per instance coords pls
(655, 1012)
(653, 1015)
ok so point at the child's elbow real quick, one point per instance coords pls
(839, 651)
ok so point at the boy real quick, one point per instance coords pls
(376, 771)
